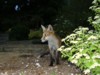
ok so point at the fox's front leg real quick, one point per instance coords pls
(51, 60)
(57, 58)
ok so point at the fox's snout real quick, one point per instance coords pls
(42, 40)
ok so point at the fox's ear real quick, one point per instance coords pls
(50, 28)
(43, 27)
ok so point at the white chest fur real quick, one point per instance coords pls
(53, 43)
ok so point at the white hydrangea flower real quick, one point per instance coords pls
(78, 39)
(68, 49)
(67, 37)
(90, 32)
(74, 42)
(87, 56)
(78, 32)
(73, 35)
(96, 17)
(81, 50)
(85, 29)
(94, 22)
(94, 1)
(87, 71)
(63, 39)
(74, 61)
(92, 38)
(80, 27)
(96, 56)
(94, 65)
(73, 56)
(61, 48)
(78, 55)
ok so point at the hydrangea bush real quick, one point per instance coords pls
(82, 47)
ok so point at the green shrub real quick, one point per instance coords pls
(35, 34)
(82, 47)
(18, 32)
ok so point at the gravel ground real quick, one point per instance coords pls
(15, 63)
(22, 58)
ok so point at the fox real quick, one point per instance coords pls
(54, 42)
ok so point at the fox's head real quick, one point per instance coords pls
(47, 33)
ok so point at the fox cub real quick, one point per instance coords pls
(54, 43)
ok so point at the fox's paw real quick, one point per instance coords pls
(50, 64)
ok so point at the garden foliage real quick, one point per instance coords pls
(63, 23)
(82, 47)
(19, 32)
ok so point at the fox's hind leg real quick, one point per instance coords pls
(45, 53)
